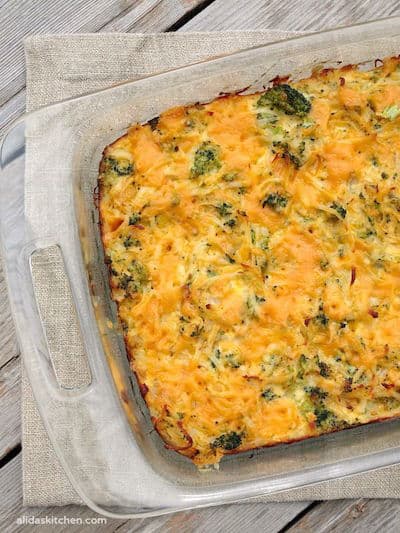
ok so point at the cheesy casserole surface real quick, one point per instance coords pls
(253, 247)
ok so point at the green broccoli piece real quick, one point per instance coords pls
(224, 209)
(231, 223)
(324, 264)
(285, 98)
(324, 368)
(296, 162)
(206, 159)
(232, 360)
(134, 219)
(327, 420)
(323, 416)
(315, 393)
(229, 259)
(321, 317)
(348, 384)
(302, 366)
(230, 176)
(268, 394)
(120, 167)
(227, 441)
(129, 241)
(135, 279)
(340, 210)
(275, 201)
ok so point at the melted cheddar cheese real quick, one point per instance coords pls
(253, 246)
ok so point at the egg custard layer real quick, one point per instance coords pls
(254, 252)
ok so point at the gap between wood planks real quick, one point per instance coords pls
(299, 516)
(141, 12)
(189, 15)
(144, 16)
(10, 455)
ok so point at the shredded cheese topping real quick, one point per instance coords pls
(253, 246)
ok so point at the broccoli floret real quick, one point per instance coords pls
(124, 280)
(348, 385)
(135, 279)
(206, 159)
(327, 420)
(231, 223)
(275, 201)
(302, 366)
(323, 415)
(293, 159)
(316, 393)
(232, 360)
(321, 318)
(268, 394)
(340, 210)
(129, 241)
(224, 209)
(285, 98)
(227, 441)
(259, 237)
(324, 368)
(286, 153)
(215, 358)
(324, 264)
(120, 167)
(134, 219)
(230, 176)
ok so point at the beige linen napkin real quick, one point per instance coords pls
(64, 66)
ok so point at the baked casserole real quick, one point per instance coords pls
(253, 250)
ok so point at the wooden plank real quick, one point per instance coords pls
(254, 517)
(11, 510)
(10, 407)
(49, 16)
(233, 518)
(10, 493)
(40, 17)
(296, 15)
(142, 16)
(153, 18)
(351, 516)
(8, 342)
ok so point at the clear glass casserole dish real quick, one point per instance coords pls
(99, 426)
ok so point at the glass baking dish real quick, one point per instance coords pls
(99, 427)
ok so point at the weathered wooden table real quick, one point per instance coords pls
(23, 17)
